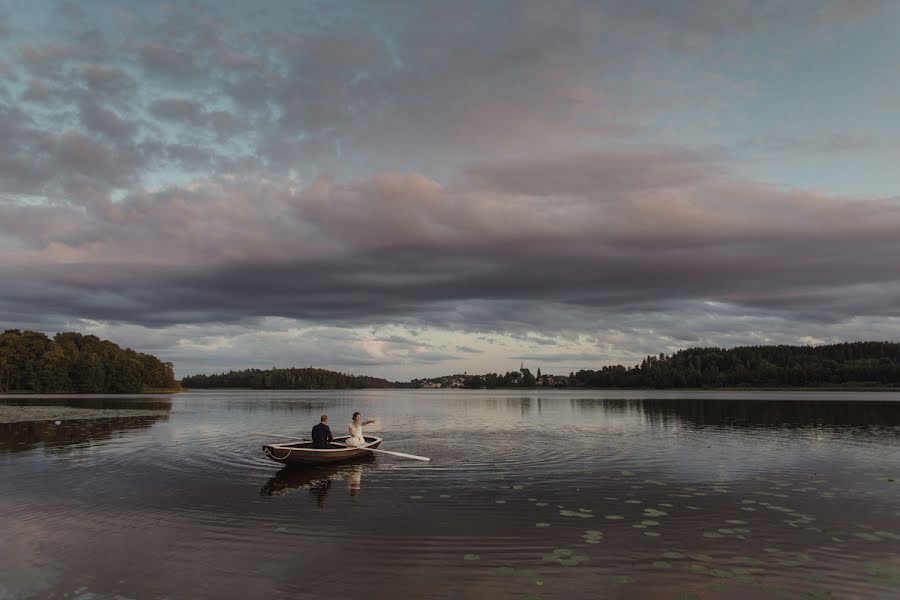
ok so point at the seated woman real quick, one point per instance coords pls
(356, 438)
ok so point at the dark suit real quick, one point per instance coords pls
(321, 435)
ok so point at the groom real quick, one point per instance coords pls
(321, 434)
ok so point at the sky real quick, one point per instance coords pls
(411, 189)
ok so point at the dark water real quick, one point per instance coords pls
(529, 495)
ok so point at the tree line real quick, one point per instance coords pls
(71, 362)
(855, 364)
(848, 364)
(285, 379)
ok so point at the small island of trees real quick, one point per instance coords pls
(286, 379)
(75, 363)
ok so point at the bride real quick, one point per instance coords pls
(356, 438)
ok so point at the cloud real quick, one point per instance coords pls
(167, 62)
(534, 177)
(112, 81)
(668, 229)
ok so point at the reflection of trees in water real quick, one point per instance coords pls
(99, 402)
(750, 413)
(317, 479)
(26, 435)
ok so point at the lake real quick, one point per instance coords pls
(530, 494)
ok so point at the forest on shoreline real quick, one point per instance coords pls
(306, 378)
(868, 365)
(75, 363)
(845, 365)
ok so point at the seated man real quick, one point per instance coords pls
(321, 434)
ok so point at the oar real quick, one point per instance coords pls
(400, 454)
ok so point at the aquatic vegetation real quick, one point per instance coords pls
(506, 571)
(883, 573)
(573, 513)
(672, 555)
(565, 557)
(592, 536)
(652, 533)
(613, 517)
(472, 557)
(542, 524)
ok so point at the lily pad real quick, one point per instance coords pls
(472, 557)
(572, 513)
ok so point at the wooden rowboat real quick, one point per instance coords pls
(303, 453)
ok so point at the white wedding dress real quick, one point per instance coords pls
(356, 438)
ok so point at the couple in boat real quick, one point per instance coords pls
(322, 438)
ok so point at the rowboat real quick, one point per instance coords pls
(303, 453)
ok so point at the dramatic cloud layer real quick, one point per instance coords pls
(421, 187)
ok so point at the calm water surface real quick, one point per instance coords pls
(529, 495)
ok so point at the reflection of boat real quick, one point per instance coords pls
(316, 478)
(301, 453)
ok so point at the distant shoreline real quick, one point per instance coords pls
(455, 389)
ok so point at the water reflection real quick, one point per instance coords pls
(27, 435)
(144, 402)
(765, 413)
(318, 479)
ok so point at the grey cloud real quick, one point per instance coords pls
(580, 357)
(108, 80)
(632, 170)
(468, 350)
(168, 62)
(106, 122)
(179, 109)
(47, 60)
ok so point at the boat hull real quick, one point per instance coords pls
(302, 453)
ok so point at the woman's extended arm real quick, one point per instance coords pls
(369, 422)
